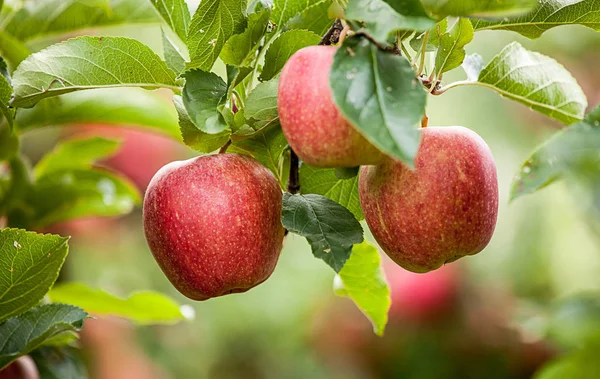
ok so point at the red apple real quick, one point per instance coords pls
(311, 122)
(213, 224)
(421, 297)
(22, 368)
(443, 210)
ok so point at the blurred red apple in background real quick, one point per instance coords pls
(421, 297)
(115, 353)
(22, 368)
(141, 153)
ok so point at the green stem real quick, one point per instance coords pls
(405, 52)
(423, 52)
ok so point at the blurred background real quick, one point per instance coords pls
(526, 304)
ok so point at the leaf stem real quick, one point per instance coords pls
(439, 91)
(405, 51)
(423, 52)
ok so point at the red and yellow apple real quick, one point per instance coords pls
(443, 210)
(213, 224)
(311, 122)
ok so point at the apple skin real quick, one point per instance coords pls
(213, 224)
(311, 122)
(23, 368)
(443, 210)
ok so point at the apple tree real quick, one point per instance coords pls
(308, 117)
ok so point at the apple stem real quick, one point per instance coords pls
(293, 185)
(424, 121)
(223, 148)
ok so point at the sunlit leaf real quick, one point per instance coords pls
(212, 25)
(141, 307)
(362, 280)
(536, 81)
(176, 14)
(106, 62)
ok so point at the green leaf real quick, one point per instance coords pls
(106, 62)
(324, 182)
(176, 14)
(15, 190)
(554, 160)
(537, 81)
(433, 39)
(9, 143)
(72, 194)
(194, 137)
(13, 50)
(173, 57)
(581, 364)
(363, 281)
(283, 48)
(212, 25)
(266, 146)
(239, 50)
(379, 94)
(29, 265)
(107, 106)
(30, 330)
(384, 17)
(261, 104)
(315, 18)
(329, 228)
(65, 338)
(575, 321)
(5, 95)
(284, 10)
(75, 154)
(343, 173)
(60, 363)
(202, 94)
(451, 51)
(478, 8)
(38, 19)
(144, 308)
(547, 15)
